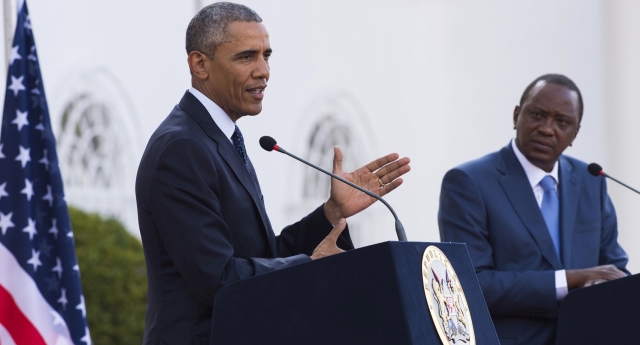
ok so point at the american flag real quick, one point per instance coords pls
(41, 299)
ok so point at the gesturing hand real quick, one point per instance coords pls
(328, 246)
(380, 176)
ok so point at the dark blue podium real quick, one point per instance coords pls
(371, 295)
(606, 313)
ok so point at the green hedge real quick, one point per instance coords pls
(114, 280)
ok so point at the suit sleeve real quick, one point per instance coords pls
(463, 217)
(305, 235)
(611, 253)
(189, 221)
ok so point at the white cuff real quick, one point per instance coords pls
(561, 285)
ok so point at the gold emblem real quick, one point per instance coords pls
(447, 304)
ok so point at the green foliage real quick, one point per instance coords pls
(113, 275)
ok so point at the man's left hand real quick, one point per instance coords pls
(380, 177)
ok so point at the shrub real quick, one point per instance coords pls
(113, 276)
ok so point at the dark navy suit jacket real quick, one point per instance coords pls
(203, 225)
(489, 204)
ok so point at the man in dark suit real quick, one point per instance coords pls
(536, 224)
(202, 217)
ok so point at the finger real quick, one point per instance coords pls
(607, 272)
(390, 186)
(393, 166)
(337, 160)
(394, 174)
(613, 270)
(382, 161)
(337, 230)
(617, 273)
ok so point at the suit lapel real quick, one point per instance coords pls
(262, 209)
(569, 193)
(518, 190)
(193, 107)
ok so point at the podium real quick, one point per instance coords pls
(606, 313)
(371, 295)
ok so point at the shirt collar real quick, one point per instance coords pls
(534, 174)
(224, 122)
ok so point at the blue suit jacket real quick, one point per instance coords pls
(489, 204)
(203, 225)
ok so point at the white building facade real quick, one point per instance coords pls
(430, 79)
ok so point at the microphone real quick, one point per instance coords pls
(596, 170)
(270, 144)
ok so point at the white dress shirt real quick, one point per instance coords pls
(224, 122)
(535, 175)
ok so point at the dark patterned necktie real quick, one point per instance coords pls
(238, 142)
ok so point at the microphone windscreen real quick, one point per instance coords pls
(267, 143)
(594, 169)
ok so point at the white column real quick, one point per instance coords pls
(10, 14)
(622, 118)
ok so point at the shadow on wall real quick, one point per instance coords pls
(113, 277)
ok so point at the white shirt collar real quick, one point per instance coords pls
(534, 174)
(218, 115)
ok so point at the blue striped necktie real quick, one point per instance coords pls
(551, 210)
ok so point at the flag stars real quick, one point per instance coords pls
(14, 55)
(24, 156)
(5, 222)
(52, 284)
(82, 307)
(21, 119)
(36, 91)
(27, 23)
(32, 56)
(35, 103)
(35, 260)
(3, 190)
(57, 319)
(31, 229)
(45, 248)
(45, 160)
(87, 337)
(40, 126)
(28, 189)
(63, 298)
(48, 196)
(16, 85)
(33, 69)
(53, 229)
(58, 268)
(1, 154)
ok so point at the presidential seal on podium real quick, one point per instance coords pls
(447, 303)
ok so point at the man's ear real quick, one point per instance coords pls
(516, 114)
(575, 134)
(197, 65)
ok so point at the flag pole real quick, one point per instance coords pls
(10, 17)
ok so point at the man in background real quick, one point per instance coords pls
(202, 217)
(536, 224)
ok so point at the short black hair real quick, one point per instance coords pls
(208, 28)
(557, 79)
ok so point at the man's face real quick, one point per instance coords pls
(546, 124)
(239, 70)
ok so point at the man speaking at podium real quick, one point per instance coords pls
(536, 224)
(202, 217)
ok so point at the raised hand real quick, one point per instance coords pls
(380, 176)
